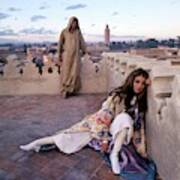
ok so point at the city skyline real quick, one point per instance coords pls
(42, 20)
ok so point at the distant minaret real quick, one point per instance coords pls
(107, 35)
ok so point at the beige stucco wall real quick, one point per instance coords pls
(93, 76)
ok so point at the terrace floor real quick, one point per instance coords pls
(25, 118)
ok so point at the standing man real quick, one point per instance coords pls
(71, 47)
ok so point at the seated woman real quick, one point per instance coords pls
(118, 128)
(127, 149)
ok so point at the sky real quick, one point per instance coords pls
(42, 20)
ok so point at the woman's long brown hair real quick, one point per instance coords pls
(126, 90)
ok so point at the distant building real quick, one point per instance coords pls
(178, 41)
(107, 35)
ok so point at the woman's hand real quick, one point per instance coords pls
(103, 118)
(104, 146)
(107, 122)
(142, 150)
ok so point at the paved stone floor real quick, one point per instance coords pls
(25, 118)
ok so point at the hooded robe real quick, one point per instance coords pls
(70, 48)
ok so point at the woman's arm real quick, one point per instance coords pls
(143, 140)
(142, 147)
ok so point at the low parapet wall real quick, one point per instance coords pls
(29, 80)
